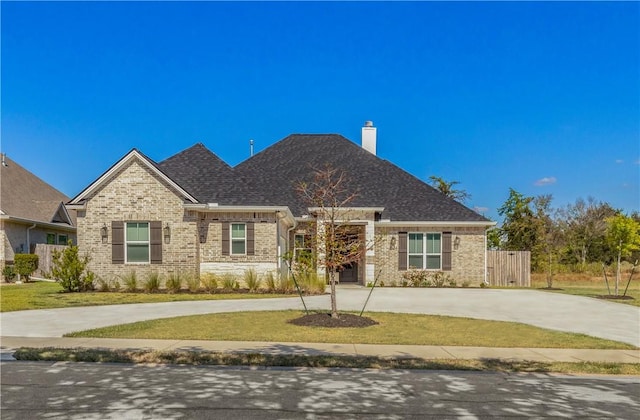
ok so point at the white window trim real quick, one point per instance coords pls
(424, 253)
(127, 242)
(232, 239)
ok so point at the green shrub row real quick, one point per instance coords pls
(211, 283)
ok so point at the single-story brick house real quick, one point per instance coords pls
(193, 212)
(31, 212)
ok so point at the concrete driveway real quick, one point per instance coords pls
(548, 310)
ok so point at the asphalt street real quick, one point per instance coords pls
(38, 390)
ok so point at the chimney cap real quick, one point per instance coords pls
(368, 123)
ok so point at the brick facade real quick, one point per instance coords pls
(137, 194)
(467, 261)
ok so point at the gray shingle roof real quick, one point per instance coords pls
(207, 177)
(24, 195)
(379, 183)
(269, 178)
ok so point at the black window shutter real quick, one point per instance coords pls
(155, 242)
(225, 238)
(402, 251)
(117, 242)
(446, 251)
(251, 249)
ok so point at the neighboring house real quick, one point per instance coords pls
(193, 212)
(31, 212)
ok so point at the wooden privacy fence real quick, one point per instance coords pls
(45, 257)
(509, 268)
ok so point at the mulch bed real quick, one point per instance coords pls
(325, 320)
(615, 297)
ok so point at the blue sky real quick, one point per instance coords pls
(540, 97)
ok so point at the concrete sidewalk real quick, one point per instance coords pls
(10, 344)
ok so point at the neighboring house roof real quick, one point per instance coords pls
(379, 183)
(25, 196)
(208, 178)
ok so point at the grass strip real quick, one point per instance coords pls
(47, 295)
(315, 361)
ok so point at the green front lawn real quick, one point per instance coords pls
(46, 295)
(582, 285)
(392, 329)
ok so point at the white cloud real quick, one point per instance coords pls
(619, 161)
(545, 181)
(481, 210)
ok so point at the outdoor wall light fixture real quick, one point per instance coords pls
(392, 245)
(456, 242)
(167, 233)
(104, 233)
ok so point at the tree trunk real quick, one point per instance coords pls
(618, 268)
(332, 283)
(549, 274)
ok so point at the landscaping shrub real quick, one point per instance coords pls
(285, 285)
(25, 265)
(174, 282)
(8, 273)
(152, 283)
(252, 280)
(415, 278)
(193, 283)
(466, 283)
(130, 281)
(229, 282)
(103, 284)
(311, 283)
(439, 279)
(70, 270)
(270, 282)
(210, 282)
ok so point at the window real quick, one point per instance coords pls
(137, 242)
(62, 239)
(425, 251)
(238, 239)
(298, 241)
(51, 238)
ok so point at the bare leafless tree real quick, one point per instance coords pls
(329, 195)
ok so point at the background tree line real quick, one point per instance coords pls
(574, 236)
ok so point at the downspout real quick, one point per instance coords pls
(28, 239)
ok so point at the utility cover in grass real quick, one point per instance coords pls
(325, 320)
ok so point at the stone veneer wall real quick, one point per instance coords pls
(137, 194)
(467, 262)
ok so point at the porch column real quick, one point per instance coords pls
(369, 234)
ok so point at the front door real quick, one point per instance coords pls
(349, 273)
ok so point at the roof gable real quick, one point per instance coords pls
(24, 195)
(134, 154)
